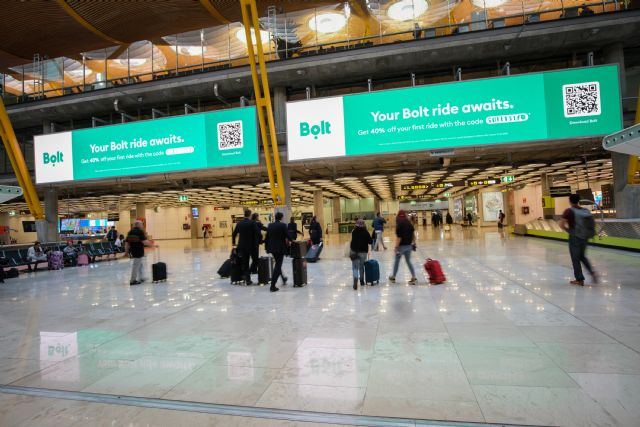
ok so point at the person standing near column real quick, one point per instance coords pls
(134, 245)
(405, 241)
(277, 243)
(578, 222)
(378, 227)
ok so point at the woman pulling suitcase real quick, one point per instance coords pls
(360, 241)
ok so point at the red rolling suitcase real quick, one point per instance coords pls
(434, 270)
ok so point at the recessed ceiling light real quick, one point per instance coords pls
(327, 23)
(489, 4)
(240, 35)
(405, 10)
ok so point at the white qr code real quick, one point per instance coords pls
(581, 99)
(230, 135)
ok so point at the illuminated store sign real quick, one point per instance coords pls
(570, 103)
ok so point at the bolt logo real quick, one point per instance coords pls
(52, 158)
(324, 128)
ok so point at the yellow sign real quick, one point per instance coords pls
(548, 202)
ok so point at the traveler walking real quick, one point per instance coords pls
(501, 217)
(134, 245)
(469, 218)
(255, 253)
(449, 219)
(292, 230)
(359, 249)
(277, 244)
(405, 243)
(378, 229)
(579, 223)
(247, 233)
(315, 231)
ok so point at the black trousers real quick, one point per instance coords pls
(255, 254)
(277, 269)
(244, 258)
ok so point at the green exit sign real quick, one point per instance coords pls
(447, 194)
(506, 179)
(183, 198)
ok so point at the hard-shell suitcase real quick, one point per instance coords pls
(434, 270)
(314, 252)
(298, 249)
(159, 272)
(299, 272)
(83, 259)
(56, 260)
(372, 271)
(265, 269)
(225, 269)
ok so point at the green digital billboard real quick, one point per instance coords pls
(562, 104)
(196, 141)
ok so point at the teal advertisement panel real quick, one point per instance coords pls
(197, 141)
(529, 107)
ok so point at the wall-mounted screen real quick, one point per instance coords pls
(569, 103)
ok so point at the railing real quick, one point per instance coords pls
(480, 20)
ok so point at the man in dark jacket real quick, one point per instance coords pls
(277, 246)
(255, 253)
(248, 239)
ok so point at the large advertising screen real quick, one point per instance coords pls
(196, 141)
(529, 107)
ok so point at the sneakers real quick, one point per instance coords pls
(577, 282)
(392, 279)
(413, 281)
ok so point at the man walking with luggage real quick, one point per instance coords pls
(134, 245)
(255, 253)
(579, 223)
(248, 238)
(378, 228)
(277, 246)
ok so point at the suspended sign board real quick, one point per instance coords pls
(570, 103)
(195, 141)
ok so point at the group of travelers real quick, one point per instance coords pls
(405, 243)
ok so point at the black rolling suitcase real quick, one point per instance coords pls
(299, 272)
(298, 249)
(314, 252)
(158, 269)
(265, 269)
(236, 272)
(225, 269)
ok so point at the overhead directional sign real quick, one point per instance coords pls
(570, 103)
(507, 179)
(195, 141)
(416, 186)
(561, 191)
(480, 182)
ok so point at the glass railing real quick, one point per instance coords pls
(315, 31)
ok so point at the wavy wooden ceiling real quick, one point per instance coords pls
(44, 26)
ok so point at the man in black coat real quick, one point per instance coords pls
(255, 252)
(277, 246)
(248, 239)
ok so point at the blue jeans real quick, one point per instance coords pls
(577, 250)
(406, 251)
(357, 265)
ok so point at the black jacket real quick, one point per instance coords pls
(360, 239)
(292, 231)
(249, 235)
(276, 238)
(315, 232)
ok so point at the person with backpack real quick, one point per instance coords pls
(579, 223)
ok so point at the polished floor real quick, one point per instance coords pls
(505, 340)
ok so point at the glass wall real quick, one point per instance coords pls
(285, 34)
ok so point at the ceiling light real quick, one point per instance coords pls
(264, 36)
(191, 50)
(327, 23)
(405, 10)
(489, 4)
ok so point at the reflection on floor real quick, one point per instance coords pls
(505, 340)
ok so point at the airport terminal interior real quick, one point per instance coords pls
(441, 167)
